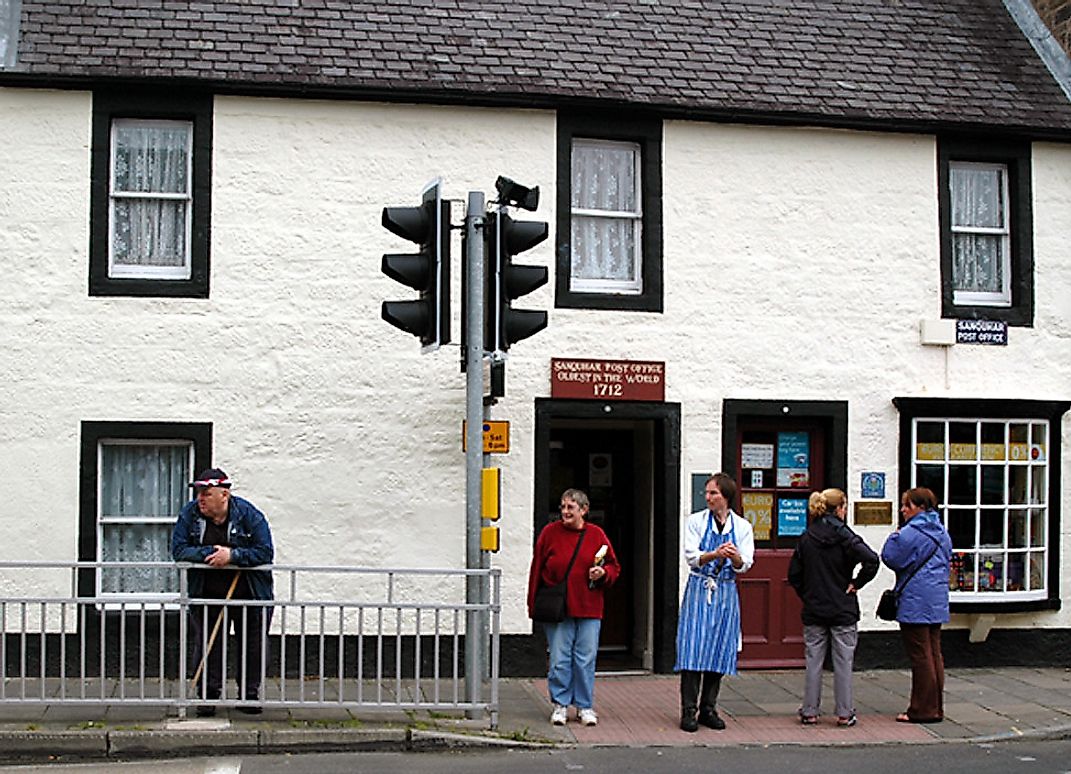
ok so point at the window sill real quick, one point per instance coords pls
(196, 287)
(625, 302)
(1005, 606)
(1014, 316)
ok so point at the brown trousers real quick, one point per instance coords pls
(923, 645)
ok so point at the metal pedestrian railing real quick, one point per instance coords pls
(358, 638)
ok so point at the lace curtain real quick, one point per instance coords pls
(150, 193)
(606, 211)
(979, 228)
(142, 489)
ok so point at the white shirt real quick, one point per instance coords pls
(696, 525)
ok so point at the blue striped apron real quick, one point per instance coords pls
(708, 630)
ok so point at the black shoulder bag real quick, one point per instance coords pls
(549, 605)
(889, 603)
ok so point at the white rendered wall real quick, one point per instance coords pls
(797, 265)
(44, 232)
(802, 262)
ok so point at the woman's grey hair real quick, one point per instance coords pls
(578, 497)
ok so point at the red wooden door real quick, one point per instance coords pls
(781, 461)
(770, 613)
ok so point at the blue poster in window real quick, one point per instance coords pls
(794, 459)
(791, 516)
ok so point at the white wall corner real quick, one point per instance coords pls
(937, 333)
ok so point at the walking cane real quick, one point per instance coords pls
(215, 629)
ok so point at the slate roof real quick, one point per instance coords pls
(912, 64)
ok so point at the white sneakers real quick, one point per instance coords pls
(558, 715)
(586, 716)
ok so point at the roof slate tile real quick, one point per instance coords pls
(884, 61)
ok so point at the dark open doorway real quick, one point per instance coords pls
(626, 456)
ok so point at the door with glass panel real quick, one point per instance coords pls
(781, 461)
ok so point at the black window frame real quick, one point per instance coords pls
(647, 133)
(1051, 411)
(109, 105)
(1016, 155)
(92, 432)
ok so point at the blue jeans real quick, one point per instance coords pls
(573, 644)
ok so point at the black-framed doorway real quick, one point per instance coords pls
(656, 579)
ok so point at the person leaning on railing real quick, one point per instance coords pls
(219, 529)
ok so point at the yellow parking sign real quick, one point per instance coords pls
(495, 437)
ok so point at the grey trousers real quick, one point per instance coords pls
(816, 640)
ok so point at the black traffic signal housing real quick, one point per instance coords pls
(506, 280)
(427, 271)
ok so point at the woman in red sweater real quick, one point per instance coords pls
(573, 642)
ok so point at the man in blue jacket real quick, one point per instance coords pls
(224, 531)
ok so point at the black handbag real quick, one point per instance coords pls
(889, 602)
(549, 605)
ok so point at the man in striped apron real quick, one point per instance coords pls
(718, 545)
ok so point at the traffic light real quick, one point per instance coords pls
(506, 281)
(427, 271)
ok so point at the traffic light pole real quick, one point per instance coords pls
(491, 326)
(476, 587)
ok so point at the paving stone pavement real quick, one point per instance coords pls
(759, 707)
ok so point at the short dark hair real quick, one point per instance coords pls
(726, 485)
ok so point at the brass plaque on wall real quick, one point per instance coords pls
(874, 513)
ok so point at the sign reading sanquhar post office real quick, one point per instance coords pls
(607, 379)
(992, 332)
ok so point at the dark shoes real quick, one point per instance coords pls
(707, 717)
(251, 709)
(711, 719)
(903, 717)
(209, 710)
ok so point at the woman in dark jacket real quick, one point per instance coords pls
(923, 543)
(821, 572)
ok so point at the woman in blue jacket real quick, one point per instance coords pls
(922, 543)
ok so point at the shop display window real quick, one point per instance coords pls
(990, 477)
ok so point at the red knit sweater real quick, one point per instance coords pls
(552, 553)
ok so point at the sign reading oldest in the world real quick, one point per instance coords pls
(607, 379)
